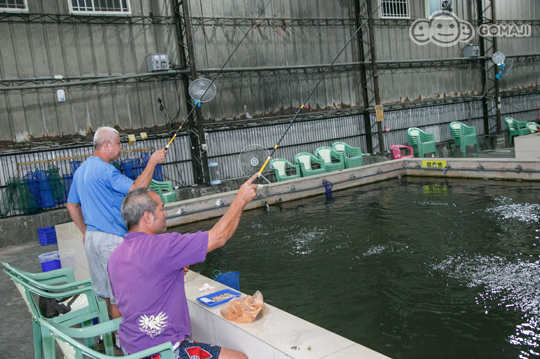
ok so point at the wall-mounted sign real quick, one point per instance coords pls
(379, 113)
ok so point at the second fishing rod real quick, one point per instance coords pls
(313, 91)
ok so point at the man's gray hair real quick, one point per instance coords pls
(104, 134)
(135, 204)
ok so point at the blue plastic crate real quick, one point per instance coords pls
(47, 236)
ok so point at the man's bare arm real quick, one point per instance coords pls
(226, 226)
(146, 176)
(75, 212)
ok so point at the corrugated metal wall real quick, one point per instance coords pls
(293, 33)
(288, 39)
(34, 50)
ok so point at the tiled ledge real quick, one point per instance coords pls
(274, 336)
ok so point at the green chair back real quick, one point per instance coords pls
(164, 189)
(279, 165)
(463, 135)
(304, 159)
(326, 154)
(421, 142)
(352, 156)
(516, 128)
(66, 338)
(86, 307)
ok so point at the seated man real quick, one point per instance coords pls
(146, 273)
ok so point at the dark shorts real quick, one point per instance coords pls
(194, 350)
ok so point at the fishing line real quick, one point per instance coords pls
(198, 102)
(312, 92)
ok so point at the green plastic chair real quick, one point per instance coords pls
(421, 142)
(464, 136)
(352, 156)
(279, 165)
(516, 128)
(326, 154)
(164, 189)
(304, 159)
(73, 349)
(85, 308)
(533, 127)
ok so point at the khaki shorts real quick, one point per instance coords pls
(99, 246)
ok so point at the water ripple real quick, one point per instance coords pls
(522, 212)
(511, 285)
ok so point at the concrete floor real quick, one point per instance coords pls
(16, 331)
(16, 339)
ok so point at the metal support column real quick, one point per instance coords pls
(196, 122)
(374, 74)
(490, 87)
(497, 98)
(363, 76)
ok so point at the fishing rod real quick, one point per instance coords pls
(198, 102)
(312, 92)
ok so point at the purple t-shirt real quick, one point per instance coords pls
(148, 282)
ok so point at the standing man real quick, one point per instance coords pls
(94, 203)
(147, 274)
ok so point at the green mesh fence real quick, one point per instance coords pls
(17, 197)
(57, 184)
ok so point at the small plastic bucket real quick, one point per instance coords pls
(50, 261)
(230, 279)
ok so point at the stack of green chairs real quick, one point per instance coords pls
(279, 165)
(326, 154)
(463, 135)
(84, 309)
(304, 159)
(164, 189)
(516, 128)
(352, 156)
(421, 142)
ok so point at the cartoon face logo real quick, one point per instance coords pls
(443, 29)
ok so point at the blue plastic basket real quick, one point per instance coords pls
(47, 236)
(230, 279)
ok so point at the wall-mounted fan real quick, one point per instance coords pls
(202, 90)
(504, 64)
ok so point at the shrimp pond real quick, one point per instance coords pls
(412, 268)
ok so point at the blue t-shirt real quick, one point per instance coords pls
(100, 189)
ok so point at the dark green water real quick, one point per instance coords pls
(411, 269)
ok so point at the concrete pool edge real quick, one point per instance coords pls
(198, 209)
